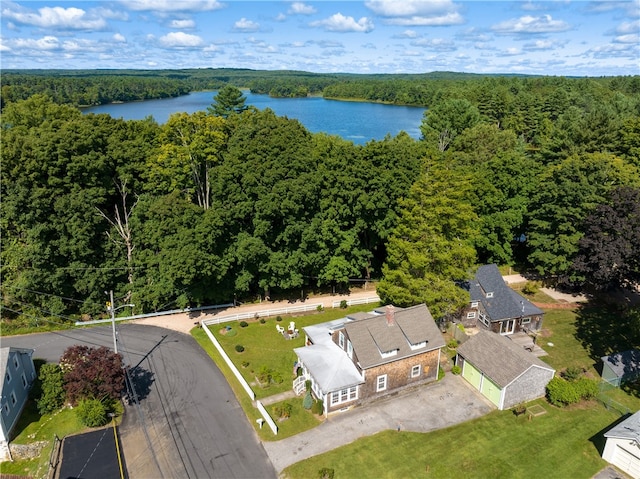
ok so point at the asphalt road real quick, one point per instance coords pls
(186, 422)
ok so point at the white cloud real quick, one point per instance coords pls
(180, 40)
(631, 38)
(172, 5)
(615, 50)
(299, 8)
(55, 18)
(244, 25)
(512, 51)
(531, 7)
(530, 24)
(339, 23)
(117, 37)
(407, 34)
(417, 12)
(628, 27)
(182, 24)
(281, 17)
(439, 44)
(539, 45)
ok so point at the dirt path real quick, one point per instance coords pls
(185, 322)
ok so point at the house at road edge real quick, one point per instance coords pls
(18, 373)
(504, 372)
(496, 307)
(369, 355)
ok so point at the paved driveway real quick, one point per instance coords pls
(435, 406)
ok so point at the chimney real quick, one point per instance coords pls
(390, 314)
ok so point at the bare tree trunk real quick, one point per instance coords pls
(120, 222)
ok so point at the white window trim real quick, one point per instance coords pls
(344, 395)
(474, 304)
(471, 315)
(341, 339)
(389, 354)
(416, 371)
(418, 345)
(349, 349)
(490, 294)
(526, 320)
(381, 379)
(484, 320)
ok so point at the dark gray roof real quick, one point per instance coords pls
(505, 303)
(373, 336)
(499, 358)
(624, 363)
(627, 429)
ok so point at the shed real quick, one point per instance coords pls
(622, 446)
(619, 368)
(504, 372)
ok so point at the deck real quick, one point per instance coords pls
(528, 343)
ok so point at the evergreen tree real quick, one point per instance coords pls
(228, 100)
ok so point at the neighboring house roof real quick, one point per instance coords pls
(505, 303)
(624, 363)
(412, 331)
(499, 358)
(4, 359)
(627, 429)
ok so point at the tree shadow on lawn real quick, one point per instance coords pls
(607, 328)
(598, 439)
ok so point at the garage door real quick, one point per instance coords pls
(627, 462)
(471, 374)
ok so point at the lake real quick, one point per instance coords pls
(355, 121)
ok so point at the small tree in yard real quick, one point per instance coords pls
(92, 412)
(52, 397)
(92, 373)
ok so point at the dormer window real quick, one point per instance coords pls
(474, 304)
(418, 345)
(389, 354)
(490, 295)
(341, 340)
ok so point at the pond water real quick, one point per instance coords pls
(355, 121)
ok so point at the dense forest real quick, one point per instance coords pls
(541, 172)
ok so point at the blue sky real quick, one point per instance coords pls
(376, 36)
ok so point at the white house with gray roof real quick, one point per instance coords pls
(622, 446)
(504, 372)
(368, 355)
(498, 308)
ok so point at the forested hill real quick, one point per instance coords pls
(543, 172)
(96, 87)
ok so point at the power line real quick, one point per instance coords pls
(44, 294)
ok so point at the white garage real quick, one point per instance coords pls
(622, 448)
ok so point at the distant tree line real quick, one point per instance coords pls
(540, 172)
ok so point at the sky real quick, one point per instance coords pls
(564, 38)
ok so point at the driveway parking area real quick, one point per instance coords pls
(435, 406)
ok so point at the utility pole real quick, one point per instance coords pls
(112, 308)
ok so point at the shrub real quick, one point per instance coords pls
(264, 375)
(278, 318)
(572, 373)
(326, 473)
(307, 402)
(318, 407)
(456, 370)
(530, 288)
(440, 373)
(561, 392)
(319, 308)
(92, 413)
(282, 411)
(343, 304)
(262, 321)
(243, 324)
(452, 343)
(239, 348)
(245, 364)
(52, 395)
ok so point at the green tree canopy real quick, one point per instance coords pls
(229, 100)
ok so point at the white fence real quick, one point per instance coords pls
(351, 302)
(264, 313)
(267, 418)
(152, 315)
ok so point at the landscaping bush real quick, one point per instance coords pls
(319, 308)
(245, 364)
(530, 288)
(278, 318)
(318, 407)
(52, 389)
(264, 375)
(456, 370)
(282, 411)
(561, 392)
(307, 402)
(326, 473)
(239, 348)
(262, 321)
(452, 343)
(92, 413)
(243, 324)
(343, 304)
(572, 373)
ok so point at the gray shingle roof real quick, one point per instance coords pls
(499, 358)
(624, 363)
(627, 429)
(373, 336)
(505, 303)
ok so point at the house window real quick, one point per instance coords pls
(474, 304)
(490, 295)
(418, 345)
(344, 395)
(24, 381)
(381, 383)
(389, 353)
(484, 320)
(6, 408)
(349, 349)
(13, 398)
(341, 340)
(416, 370)
(526, 320)
(8, 376)
(471, 315)
(16, 364)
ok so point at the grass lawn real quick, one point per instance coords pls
(561, 443)
(265, 347)
(33, 428)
